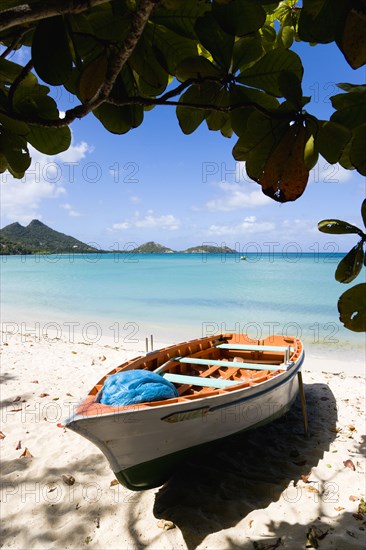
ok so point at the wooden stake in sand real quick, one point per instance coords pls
(303, 402)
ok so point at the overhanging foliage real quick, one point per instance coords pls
(227, 63)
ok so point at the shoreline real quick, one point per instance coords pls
(273, 483)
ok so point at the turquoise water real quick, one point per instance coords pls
(176, 296)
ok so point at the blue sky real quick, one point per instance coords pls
(155, 183)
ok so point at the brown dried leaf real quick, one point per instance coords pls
(165, 524)
(19, 446)
(34, 382)
(55, 398)
(44, 395)
(339, 508)
(352, 428)
(2, 436)
(311, 539)
(69, 394)
(26, 454)
(67, 479)
(305, 477)
(353, 498)
(310, 489)
(362, 507)
(74, 352)
(285, 174)
(353, 39)
(349, 464)
(16, 410)
(114, 482)
(17, 398)
(102, 358)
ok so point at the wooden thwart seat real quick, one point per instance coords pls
(245, 347)
(253, 366)
(200, 381)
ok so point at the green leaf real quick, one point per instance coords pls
(119, 120)
(338, 227)
(14, 148)
(8, 71)
(352, 308)
(350, 266)
(107, 26)
(331, 140)
(347, 87)
(40, 105)
(352, 39)
(215, 40)
(290, 86)
(196, 67)
(250, 97)
(14, 126)
(145, 64)
(217, 119)
(183, 19)
(321, 20)
(310, 152)
(50, 51)
(246, 50)
(357, 152)
(345, 161)
(363, 212)
(92, 78)
(190, 118)
(257, 141)
(239, 17)
(49, 140)
(172, 47)
(351, 108)
(286, 36)
(266, 73)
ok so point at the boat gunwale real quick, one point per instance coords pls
(250, 392)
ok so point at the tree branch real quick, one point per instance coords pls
(29, 13)
(116, 63)
(19, 79)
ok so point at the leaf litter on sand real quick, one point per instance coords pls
(313, 535)
(349, 464)
(68, 479)
(26, 454)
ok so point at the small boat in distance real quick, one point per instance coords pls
(224, 384)
(243, 257)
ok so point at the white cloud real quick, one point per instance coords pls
(74, 153)
(149, 220)
(73, 213)
(45, 179)
(135, 199)
(248, 226)
(237, 196)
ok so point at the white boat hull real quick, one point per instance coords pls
(142, 444)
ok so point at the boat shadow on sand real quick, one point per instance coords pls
(217, 490)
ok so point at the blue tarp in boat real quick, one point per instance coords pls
(131, 387)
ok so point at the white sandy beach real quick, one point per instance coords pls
(270, 488)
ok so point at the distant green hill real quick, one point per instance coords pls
(38, 238)
(209, 249)
(152, 247)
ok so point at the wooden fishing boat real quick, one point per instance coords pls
(226, 384)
